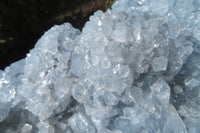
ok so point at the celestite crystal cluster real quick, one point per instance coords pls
(133, 69)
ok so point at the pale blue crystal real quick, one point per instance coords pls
(159, 64)
(133, 69)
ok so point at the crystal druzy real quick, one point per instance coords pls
(133, 69)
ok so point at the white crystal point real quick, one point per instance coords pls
(80, 124)
(159, 64)
(45, 128)
(110, 99)
(161, 91)
(27, 128)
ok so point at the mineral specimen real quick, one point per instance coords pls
(132, 69)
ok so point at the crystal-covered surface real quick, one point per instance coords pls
(132, 69)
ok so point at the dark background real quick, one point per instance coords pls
(23, 22)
